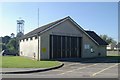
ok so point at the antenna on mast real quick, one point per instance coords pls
(38, 17)
(20, 27)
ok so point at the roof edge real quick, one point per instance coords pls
(64, 19)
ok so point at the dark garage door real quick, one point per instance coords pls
(65, 47)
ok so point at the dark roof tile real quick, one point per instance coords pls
(99, 40)
(42, 28)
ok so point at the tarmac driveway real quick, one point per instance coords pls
(78, 68)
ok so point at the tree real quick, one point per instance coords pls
(4, 42)
(12, 46)
(5, 39)
(10, 43)
(109, 40)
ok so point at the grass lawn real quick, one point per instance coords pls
(113, 55)
(21, 62)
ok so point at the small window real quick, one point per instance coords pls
(23, 40)
(99, 54)
(27, 39)
(31, 38)
(87, 46)
(35, 37)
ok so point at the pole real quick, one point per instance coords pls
(38, 36)
(38, 17)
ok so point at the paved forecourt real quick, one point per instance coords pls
(72, 69)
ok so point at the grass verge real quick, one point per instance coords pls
(21, 62)
(113, 56)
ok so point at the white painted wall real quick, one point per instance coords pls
(28, 48)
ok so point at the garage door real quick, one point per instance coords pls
(65, 47)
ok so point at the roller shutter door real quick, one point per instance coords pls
(65, 47)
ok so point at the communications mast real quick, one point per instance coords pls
(20, 27)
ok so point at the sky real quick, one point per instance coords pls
(101, 17)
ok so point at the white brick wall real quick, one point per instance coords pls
(28, 48)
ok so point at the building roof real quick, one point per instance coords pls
(40, 29)
(99, 40)
(44, 28)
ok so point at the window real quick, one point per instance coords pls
(27, 39)
(35, 37)
(23, 40)
(31, 38)
(87, 46)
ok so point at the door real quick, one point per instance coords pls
(68, 47)
(51, 47)
(54, 46)
(58, 46)
(74, 47)
(65, 47)
(79, 46)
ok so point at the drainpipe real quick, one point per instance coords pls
(38, 36)
(38, 46)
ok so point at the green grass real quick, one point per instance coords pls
(21, 62)
(113, 56)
